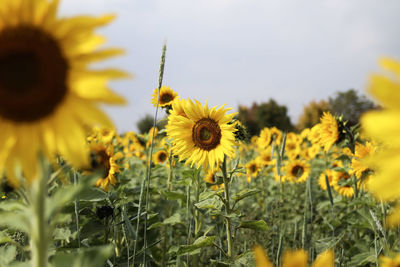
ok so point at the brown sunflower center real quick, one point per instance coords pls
(166, 98)
(162, 157)
(206, 134)
(33, 74)
(253, 168)
(297, 171)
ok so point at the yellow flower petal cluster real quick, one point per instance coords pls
(48, 92)
(383, 126)
(297, 258)
(104, 159)
(326, 133)
(201, 136)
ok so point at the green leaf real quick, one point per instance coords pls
(211, 203)
(201, 242)
(245, 259)
(255, 225)
(173, 195)
(7, 255)
(206, 195)
(245, 193)
(91, 228)
(88, 257)
(62, 234)
(17, 221)
(92, 194)
(174, 219)
(363, 259)
(12, 205)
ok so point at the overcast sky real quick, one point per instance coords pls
(236, 52)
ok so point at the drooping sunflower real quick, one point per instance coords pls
(167, 96)
(203, 136)
(104, 159)
(297, 171)
(48, 93)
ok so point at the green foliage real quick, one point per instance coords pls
(350, 105)
(144, 124)
(311, 115)
(266, 114)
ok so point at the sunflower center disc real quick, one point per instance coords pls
(166, 98)
(297, 171)
(162, 157)
(206, 134)
(33, 74)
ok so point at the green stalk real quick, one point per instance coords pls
(228, 222)
(76, 204)
(160, 79)
(39, 225)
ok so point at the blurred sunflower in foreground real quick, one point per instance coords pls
(201, 135)
(298, 258)
(383, 126)
(48, 94)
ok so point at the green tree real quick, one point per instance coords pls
(312, 112)
(350, 105)
(145, 124)
(266, 114)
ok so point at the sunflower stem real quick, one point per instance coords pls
(160, 79)
(39, 225)
(227, 210)
(76, 206)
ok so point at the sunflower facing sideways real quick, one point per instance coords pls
(201, 135)
(48, 94)
(104, 159)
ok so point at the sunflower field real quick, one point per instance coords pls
(200, 192)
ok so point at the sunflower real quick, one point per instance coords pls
(358, 166)
(342, 184)
(253, 168)
(48, 93)
(161, 157)
(388, 262)
(328, 131)
(265, 157)
(292, 148)
(104, 159)
(264, 139)
(204, 137)
(276, 136)
(322, 179)
(297, 258)
(167, 97)
(297, 171)
(383, 126)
